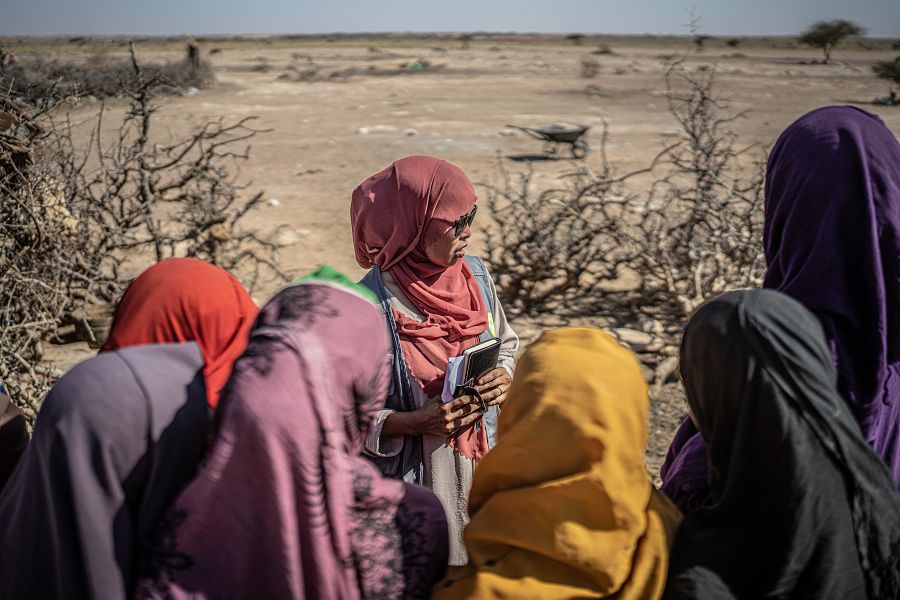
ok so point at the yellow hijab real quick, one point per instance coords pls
(562, 507)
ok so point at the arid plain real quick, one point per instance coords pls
(335, 110)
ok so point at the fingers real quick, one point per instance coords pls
(459, 402)
(500, 399)
(494, 392)
(493, 375)
(464, 410)
(451, 420)
(502, 383)
(465, 421)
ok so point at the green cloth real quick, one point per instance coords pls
(327, 274)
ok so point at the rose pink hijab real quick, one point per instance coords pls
(285, 507)
(389, 214)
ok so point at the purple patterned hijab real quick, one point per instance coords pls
(284, 506)
(832, 242)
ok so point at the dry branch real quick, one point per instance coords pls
(70, 218)
(615, 247)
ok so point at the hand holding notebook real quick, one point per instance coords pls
(464, 371)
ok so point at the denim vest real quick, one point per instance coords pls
(409, 465)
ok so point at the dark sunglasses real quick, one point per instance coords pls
(464, 221)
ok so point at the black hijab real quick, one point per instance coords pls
(802, 506)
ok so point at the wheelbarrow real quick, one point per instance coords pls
(557, 135)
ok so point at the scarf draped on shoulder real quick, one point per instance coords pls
(115, 441)
(832, 242)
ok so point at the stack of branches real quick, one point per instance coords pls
(39, 80)
(75, 220)
(642, 249)
(35, 230)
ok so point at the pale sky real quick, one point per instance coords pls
(719, 17)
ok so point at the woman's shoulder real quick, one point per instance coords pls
(476, 263)
(379, 283)
(370, 279)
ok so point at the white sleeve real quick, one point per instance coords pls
(382, 447)
(509, 341)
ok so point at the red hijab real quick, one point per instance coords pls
(187, 300)
(389, 214)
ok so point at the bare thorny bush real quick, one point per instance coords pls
(628, 252)
(72, 219)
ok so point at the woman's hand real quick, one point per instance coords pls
(438, 418)
(494, 386)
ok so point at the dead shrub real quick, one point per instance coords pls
(37, 79)
(72, 219)
(648, 244)
(602, 50)
(590, 67)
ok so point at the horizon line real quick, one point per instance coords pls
(387, 33)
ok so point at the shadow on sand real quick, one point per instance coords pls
(883, 101)
(531, 157)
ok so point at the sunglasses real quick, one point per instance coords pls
(464, 221)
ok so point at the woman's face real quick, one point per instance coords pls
(442, 246)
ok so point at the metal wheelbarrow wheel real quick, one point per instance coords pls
(579, 149)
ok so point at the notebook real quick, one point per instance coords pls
(473, 363)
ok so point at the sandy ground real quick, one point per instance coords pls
(327, 136)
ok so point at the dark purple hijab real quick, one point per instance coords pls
(13, 436)
(116, 439)
(832, 242)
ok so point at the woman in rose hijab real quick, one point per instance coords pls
(285, 507)
(411, 226)
(832, 242)
(187, 300)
